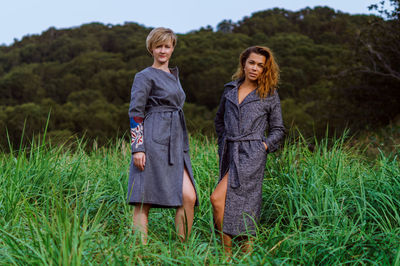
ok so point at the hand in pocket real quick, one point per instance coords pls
(265, 145)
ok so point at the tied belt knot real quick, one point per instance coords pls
(177, 121)
(234, 164)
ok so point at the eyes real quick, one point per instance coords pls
(167, 46)
(252, 63)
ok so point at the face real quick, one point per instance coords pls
(254, 66)
(162, 52)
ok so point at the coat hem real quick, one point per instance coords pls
(239, 234)
(155, 205)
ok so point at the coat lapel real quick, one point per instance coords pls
(232, 96)
(251, 97)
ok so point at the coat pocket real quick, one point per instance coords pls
(161, 128)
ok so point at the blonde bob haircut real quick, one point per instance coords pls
(267, 83)
(159, 36)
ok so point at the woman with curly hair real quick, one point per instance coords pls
(249, 106)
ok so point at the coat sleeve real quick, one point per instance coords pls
(276, 128)
(219, 117)
(140, 92)
(219, 122)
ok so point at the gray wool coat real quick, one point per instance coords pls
(158, 128)
(240, 129)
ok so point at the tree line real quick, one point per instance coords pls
(337, 69)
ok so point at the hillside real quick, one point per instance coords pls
(83, 75)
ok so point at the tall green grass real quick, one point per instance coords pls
(67, 206)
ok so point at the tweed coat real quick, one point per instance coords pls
(158, 128)
(240, 129)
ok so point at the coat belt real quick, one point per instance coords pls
(234, 164)
(177, 121)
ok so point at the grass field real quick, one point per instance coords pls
(61, 206)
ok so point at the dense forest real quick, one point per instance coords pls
(337, 69)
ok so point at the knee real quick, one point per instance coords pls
(215, 201)
(189, 198)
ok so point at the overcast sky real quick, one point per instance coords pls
(21, 17)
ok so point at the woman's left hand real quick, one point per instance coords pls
(265, 145)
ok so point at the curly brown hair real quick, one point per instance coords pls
(267, 83)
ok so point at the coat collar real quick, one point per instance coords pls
(173, 75)
(232, 94)
(251, 97)
(233, 83)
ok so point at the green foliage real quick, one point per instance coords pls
(379, 68)
(201, 119)
(323, 55)
(68, 206)
(20, 86)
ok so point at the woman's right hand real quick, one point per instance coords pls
(265, 146)
(139, 160)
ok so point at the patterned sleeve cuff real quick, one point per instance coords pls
(137, 134)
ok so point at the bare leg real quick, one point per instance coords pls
(185, 213)
(218, 198)
(140, 220)
(247, 244)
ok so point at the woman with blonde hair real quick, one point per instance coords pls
(249, 105)
(160, 173)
